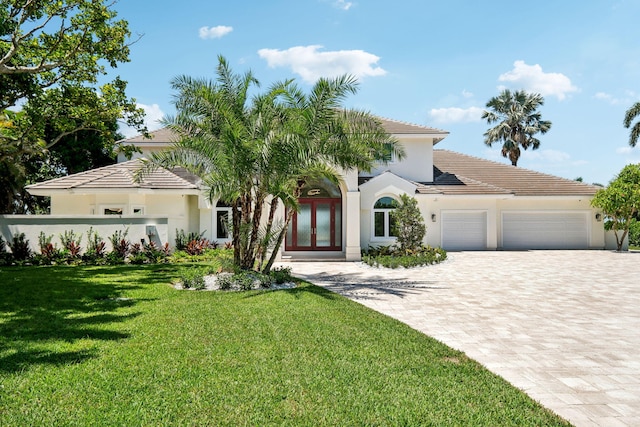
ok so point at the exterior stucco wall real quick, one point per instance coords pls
(181, 210)
(417, 164)
(431, 205)
(137, 227)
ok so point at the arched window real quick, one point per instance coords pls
(382, 220)
(223, 221)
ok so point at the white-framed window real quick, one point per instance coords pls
(112, 209)
(382, 220)
(137, 210)
(223, 222)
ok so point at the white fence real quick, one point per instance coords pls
(156, 228)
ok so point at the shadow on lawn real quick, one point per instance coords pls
(44, 309)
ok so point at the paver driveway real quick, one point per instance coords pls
(564, 326)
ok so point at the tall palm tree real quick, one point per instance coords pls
(631, 114)
(518, 122)
(257, 152)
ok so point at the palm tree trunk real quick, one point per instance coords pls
(274, 253)
(235, 231)
(250, 256)
(276, 248)
(264, 247)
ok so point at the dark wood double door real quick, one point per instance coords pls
(317, 226)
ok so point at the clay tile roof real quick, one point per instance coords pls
(499, 177)
(119, 177)
(396, 127)
(160, 135)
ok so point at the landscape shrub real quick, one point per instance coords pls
(281, 275)
(71, 244)
(20, 249)
(49, 252)
(5, 257)
(96, 248)
(121, 247)
(634, 233)
(193, 278)
(408, 225)
(136, 254)
(183, 239)
(393, 257)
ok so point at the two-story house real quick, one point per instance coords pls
(468, 203)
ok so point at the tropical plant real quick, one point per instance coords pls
(20, 248)
(629, 116)
(620, 202)
(408, 224)
(257, 152)
(518, 121)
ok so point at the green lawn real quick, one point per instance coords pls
(118, 346)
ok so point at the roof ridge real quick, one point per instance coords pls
(518, 168)
(402, 122)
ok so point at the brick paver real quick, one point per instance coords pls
(563, 326)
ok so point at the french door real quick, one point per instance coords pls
(317, 226)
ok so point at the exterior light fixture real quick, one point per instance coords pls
(598, 217)
(433, 217)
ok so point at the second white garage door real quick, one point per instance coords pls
(545, 230)
(464, 230)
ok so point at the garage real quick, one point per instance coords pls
(545, 230)
(464, 230)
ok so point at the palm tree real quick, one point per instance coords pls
(257, 152)
(518, 120)
(630, 115)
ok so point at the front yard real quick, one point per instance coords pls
(116, 345)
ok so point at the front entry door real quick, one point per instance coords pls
(316, 226)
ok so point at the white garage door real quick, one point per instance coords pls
(545, 230)
(464, 230)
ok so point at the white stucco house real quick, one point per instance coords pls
(468, 203)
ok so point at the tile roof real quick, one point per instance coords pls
(161, 135)
(500, 176)
(396, 127)
(457, 174)
(121, 176)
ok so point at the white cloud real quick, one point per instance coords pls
(624, 150)
(606, 97)
(456, 115)
(153, 115)
(342, 4)
(311, 64)
(214, 32)
(467, 94)
(533, 79)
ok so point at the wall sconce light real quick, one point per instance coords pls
(598, 217)
(433, 217)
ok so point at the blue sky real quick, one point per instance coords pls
(424, 62)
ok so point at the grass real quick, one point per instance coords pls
(115, 345)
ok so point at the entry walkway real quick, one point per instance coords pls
(563, 326)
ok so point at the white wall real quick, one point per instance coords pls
(105, 226)
(417, 164)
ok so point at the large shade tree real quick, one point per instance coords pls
(518, 120)
(52, 55)
(620, 202)
(255, 152)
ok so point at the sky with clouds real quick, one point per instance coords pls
(429, 63)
